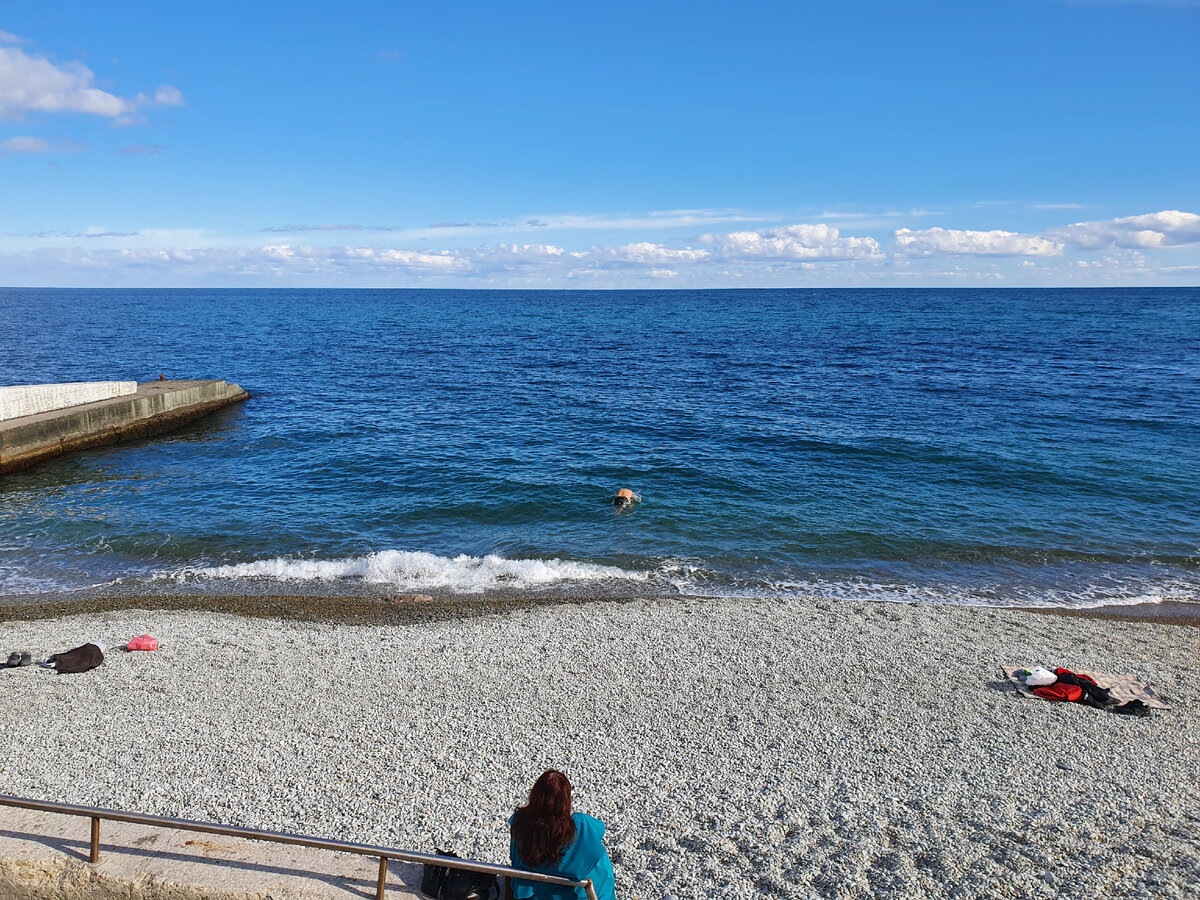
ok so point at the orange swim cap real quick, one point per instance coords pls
(626, 493)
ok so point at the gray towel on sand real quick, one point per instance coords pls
(1122, 688)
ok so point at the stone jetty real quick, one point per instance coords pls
(31, 433)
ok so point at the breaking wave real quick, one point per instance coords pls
(419, 571)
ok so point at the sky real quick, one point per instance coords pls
(600, 145)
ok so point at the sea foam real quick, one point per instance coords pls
(1083, 595)
(414, 570)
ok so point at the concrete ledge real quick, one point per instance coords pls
(44, 856)
(22, 400)
(74, 880)
(156, 407)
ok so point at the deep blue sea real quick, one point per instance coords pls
(1004, 447)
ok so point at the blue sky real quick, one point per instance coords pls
(600, 145)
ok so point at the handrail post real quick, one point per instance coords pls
(382, 885)
(95, 839)
(590, 889)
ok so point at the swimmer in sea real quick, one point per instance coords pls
(625, 498)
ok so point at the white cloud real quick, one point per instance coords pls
(168, 96)
(798, 255)
(30, 83)
(646, 252)
(1169, 228)
(948, 241)
(792, 242)
(516, 259)
(330, 258)
(26, 145)
(519, 260)
(445, 261)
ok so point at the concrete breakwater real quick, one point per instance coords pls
(153, 408)
(31, 399)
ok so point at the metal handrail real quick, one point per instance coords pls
(255, 834)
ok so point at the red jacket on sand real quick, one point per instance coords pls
(1060, 691)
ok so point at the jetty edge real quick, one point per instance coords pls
(155, 407)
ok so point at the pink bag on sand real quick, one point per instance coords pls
(145, 642)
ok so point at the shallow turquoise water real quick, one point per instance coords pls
(999, 446)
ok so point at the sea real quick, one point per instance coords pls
(996, 447)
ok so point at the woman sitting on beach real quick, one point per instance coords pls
(546, 838)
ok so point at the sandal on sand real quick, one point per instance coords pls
(25, 659)
(14, 660)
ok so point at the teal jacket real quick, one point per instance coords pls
(584, 858)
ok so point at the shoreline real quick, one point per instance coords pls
(1168, 613)
(403, 609)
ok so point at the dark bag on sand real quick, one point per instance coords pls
(443, 883)
(80, 659)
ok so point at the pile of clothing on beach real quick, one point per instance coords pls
(78, 659)
(1071, 687)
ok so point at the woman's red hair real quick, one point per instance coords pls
(543, 828)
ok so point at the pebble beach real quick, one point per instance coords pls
(734, 748)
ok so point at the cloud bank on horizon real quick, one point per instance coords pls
(773, 256)
(115, 179)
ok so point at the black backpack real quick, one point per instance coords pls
(444, 883)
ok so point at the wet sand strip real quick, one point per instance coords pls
(404, 609)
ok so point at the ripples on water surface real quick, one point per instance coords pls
(1001, 447)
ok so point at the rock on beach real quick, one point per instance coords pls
(734, 748)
